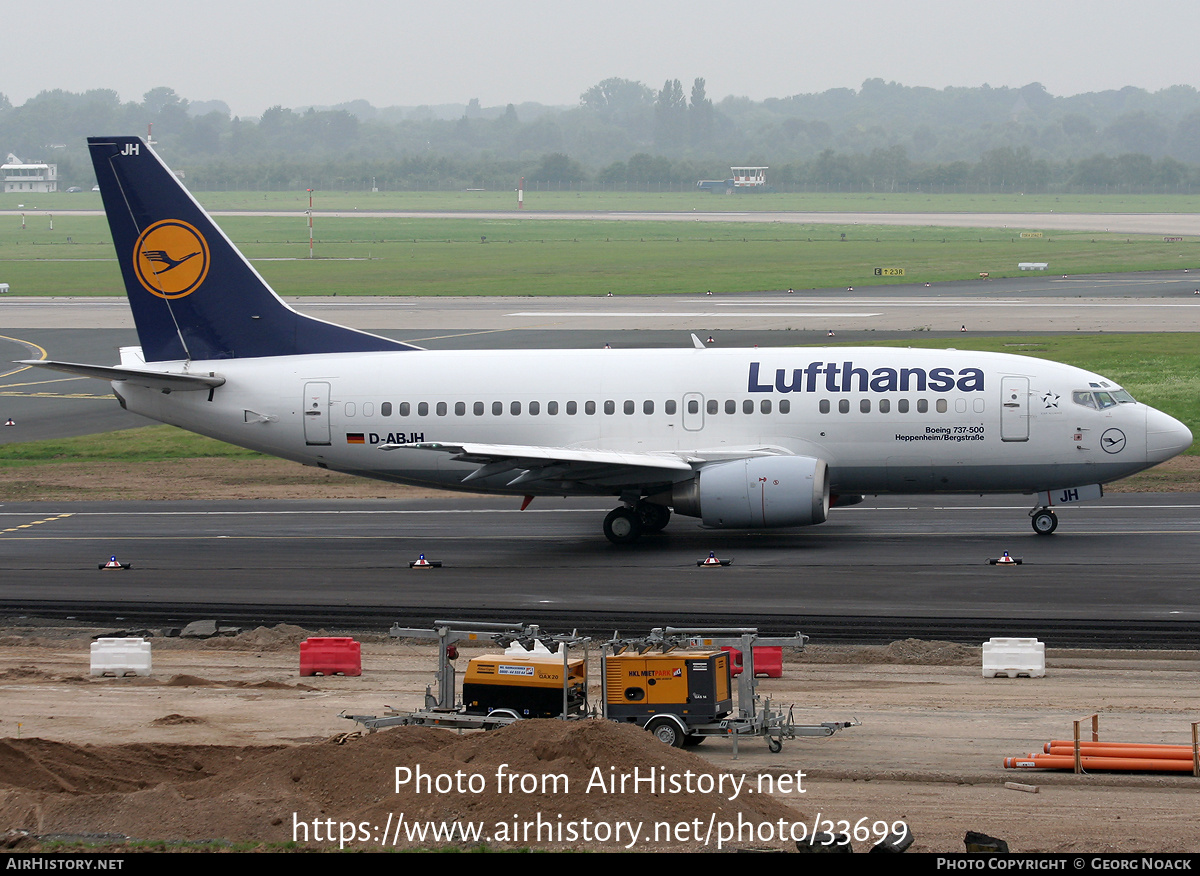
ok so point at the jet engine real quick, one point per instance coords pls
(756, 493)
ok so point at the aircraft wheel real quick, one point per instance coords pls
(1045, 522)
(622, 526)
(653, 517)
(666, 730)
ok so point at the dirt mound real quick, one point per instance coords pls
(553, 771)
(932, 653)
(174, 720)
(280, 637)
(907, 652)
(185, 680)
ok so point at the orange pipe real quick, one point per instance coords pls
(1148, 745)
(1098, 749)
(1061, 762)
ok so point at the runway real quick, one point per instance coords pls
(1120, 571)
(1119, 223)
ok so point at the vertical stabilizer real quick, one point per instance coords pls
(193, 294)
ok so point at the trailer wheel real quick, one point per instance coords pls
(501, 713)
(666, 730)
(775, 745)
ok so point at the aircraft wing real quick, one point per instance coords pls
(163, 380)
(563, 467)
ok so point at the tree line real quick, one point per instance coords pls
(624, 135)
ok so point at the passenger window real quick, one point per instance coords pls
(941, 406)
(610, 407)
(404, 409)
(713, 406)
(844, 406)
(748, 406)
(670, 407)
(785, 406)
(497, 408)
(589, 408)
(864, 406)
(441, 409)
(572, 408)
(629, 407)
(902, 406)
(960, 405)
(922, 406)
(765, 406)
(478, 409)
(730, 406)
(460, 409)
(385, 409)
(884, 406)
(423, 409)
(693, 406)
(552, 408)
(823, 407)
(977, 405)
(368, 409)
(515, 409)
(534, 409)
(647, 407)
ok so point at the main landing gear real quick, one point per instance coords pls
(1044, 520)
(627, 524)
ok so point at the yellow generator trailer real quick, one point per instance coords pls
(524, 685)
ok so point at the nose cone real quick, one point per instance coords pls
(1165, 436)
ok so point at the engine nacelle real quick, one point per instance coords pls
(757, 493)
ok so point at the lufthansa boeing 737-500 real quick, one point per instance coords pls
(740, 438)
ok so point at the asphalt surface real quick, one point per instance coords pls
(1121, 571)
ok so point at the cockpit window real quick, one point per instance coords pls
(1101, 400)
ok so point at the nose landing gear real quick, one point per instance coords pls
(1044, 520)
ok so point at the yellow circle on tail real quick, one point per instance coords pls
(171, 259)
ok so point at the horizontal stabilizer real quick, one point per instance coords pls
(164, 380)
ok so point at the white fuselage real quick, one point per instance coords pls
(883, 419)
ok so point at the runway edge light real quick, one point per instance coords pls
(421, 563)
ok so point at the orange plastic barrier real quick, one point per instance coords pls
(330, 655)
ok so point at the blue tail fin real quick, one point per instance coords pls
(193, 295)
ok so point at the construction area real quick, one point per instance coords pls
(223, 740)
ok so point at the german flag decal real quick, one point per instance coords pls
(355, 438)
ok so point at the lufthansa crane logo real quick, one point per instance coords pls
(171, 259)
(1112, 441)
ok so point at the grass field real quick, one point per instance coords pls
(683, 202)
(527, 256)
(1160, 370)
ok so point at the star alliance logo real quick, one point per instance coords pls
(1050, 400)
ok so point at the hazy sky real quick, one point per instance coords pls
(256, 53)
